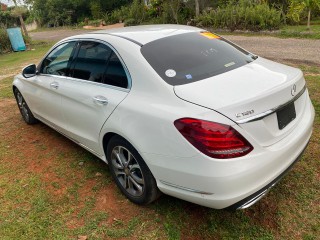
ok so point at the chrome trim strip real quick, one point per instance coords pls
(73, 140)
(271, 111)
(254, 200)
(87, 82)
(257, 198)
(184, 188)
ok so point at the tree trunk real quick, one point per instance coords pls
(23, 26)
(175, 6)
(309, 16)
(21, 21)
(197, 8)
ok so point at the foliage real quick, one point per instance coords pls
(243, 15)
(252, 15)
(299, 8)
(132, 14)
(159, 11)
(18, 11)
(5, 44)
(68, 12)
(7, 19)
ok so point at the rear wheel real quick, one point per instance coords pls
(130, 172)
(24, 109)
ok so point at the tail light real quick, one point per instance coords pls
(216, 140)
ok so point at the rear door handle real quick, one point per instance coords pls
(54, 85)
(100, 99)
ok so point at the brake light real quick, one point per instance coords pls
(216, 140)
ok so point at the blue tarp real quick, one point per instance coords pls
(16, 39)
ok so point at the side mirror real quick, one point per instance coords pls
(29, 71)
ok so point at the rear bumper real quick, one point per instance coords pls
(255, 197)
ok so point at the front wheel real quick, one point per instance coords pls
(24, 109)
(130, 172)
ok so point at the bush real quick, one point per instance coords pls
(132, 14)
(158, 12)
(7, 20)
(5, 45)
(242, 15)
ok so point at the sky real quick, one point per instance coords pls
(9, 3)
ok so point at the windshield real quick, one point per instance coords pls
(191, 57)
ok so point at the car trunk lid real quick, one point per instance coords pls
(248, 92)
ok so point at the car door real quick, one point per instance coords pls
(98, 83)
(44, 96)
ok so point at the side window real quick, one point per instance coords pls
(115, 74)
(58, 61)
(91, 61)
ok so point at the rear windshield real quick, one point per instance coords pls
(191, 57)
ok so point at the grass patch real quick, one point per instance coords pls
(12, 62)
(42, 29)
(26, 213)
(299, 31)
(120, 229)
(6, 88)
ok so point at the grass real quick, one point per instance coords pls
(286, 31)
(45, 193)
(6, 88)
(300, 31)
(11, 63)
(42, 29)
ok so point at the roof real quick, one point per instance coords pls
(147, 33)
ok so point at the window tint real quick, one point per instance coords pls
(58, 61)
(191, 57)
(115, 74)
(98, 63)
(91, 61)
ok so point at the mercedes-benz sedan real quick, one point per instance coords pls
(173, 109)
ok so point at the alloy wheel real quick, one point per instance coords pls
(23, 106)
(127, 171)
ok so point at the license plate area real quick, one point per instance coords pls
(286, 115)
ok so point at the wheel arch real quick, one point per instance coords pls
(109, 135)
(106, 139)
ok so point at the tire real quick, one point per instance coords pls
(24, 108)
(130, 172)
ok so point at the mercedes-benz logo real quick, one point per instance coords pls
(293, 90)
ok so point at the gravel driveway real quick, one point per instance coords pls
(304, 51)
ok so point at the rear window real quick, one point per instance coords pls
(191, 57)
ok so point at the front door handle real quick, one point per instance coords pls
(101, 99)
(54, 85)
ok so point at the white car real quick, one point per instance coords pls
(173, 109)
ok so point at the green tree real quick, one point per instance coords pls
(61, 12)
(297, 7)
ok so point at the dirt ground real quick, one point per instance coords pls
(306, 51)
